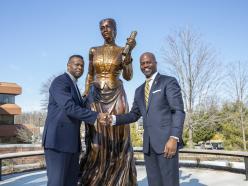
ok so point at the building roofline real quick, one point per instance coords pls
(10, 88)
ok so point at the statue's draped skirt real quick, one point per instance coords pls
(109, 157)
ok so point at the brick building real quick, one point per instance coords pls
(8, 110)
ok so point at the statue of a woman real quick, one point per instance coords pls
(109, 157)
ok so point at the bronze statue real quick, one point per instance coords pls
(109, 155)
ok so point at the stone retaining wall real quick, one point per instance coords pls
(9, 165)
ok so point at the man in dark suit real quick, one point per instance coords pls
(61, 136)
(159, 102)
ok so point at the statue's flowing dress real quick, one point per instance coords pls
(109, 157)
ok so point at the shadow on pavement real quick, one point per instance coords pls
(190, 182)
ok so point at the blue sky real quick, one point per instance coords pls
(38, 36)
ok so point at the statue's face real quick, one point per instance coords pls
(107, 31)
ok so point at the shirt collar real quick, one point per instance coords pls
(153, 76)
(72, 77)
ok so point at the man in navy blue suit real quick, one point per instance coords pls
(61, 137)
(159, 102)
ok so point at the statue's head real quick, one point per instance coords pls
(108, 29)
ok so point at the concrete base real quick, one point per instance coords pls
(188, 177)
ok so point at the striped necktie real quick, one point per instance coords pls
(147, 91)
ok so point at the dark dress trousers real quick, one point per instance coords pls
(164, 117)
(61, 136)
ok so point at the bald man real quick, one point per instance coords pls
(159, 101)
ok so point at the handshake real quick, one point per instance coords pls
(105, 119)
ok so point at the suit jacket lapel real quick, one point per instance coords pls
(153, 87)
(75, 95)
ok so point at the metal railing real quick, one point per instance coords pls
(139, 149)
(18, 155)
(212, 152)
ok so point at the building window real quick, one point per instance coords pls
(7, 98)
(6, 119)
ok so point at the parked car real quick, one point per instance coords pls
(217, 144)
(200, 145)
(212, 144)
(208, 145)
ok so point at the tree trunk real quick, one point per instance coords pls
(242, 126)
(190, 129)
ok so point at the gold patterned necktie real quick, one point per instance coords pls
(147, 91)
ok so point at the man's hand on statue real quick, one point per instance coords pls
(170, 148)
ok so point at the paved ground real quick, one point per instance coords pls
(188, 177)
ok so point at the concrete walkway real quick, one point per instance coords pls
(188, 177)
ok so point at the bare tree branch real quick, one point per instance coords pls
(196, 68)
(45, 91)
(237, 82)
